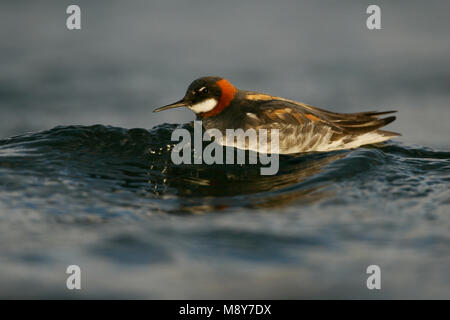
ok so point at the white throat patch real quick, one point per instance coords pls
(204, 106)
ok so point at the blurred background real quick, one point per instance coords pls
(130, 57)
(110, 199)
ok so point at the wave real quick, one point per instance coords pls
(133, 167)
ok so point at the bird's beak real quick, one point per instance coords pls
(177, 104)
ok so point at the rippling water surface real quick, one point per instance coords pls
(110, 200)
(94, 192)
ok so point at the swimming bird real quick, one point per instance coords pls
(301, 127)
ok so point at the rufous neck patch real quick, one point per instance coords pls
(228, 93)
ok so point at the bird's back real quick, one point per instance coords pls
(302, 128)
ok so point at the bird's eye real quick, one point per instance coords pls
(202, 90)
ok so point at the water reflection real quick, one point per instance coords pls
(204, 188)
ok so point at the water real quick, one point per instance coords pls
(86, 176)
(110, 200)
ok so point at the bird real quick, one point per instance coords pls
(301, 127)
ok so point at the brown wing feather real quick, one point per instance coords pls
(363, 125)
(351, 123)
(287, 112)
(293, 112)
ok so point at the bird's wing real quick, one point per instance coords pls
(279, 111)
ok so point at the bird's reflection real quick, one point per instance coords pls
(206, 188)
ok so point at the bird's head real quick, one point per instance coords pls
(206, 96)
